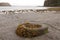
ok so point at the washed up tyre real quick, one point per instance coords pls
(31, 30)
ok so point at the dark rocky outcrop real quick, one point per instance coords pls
(4, 4)
(52, 3)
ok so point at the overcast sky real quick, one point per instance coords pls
(25, 2)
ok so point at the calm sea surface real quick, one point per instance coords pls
(20, 7)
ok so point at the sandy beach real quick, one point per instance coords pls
(9, 23)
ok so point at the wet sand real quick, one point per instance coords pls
(9, 23)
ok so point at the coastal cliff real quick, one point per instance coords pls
(52, 3)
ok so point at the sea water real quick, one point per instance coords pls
(20, 7)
